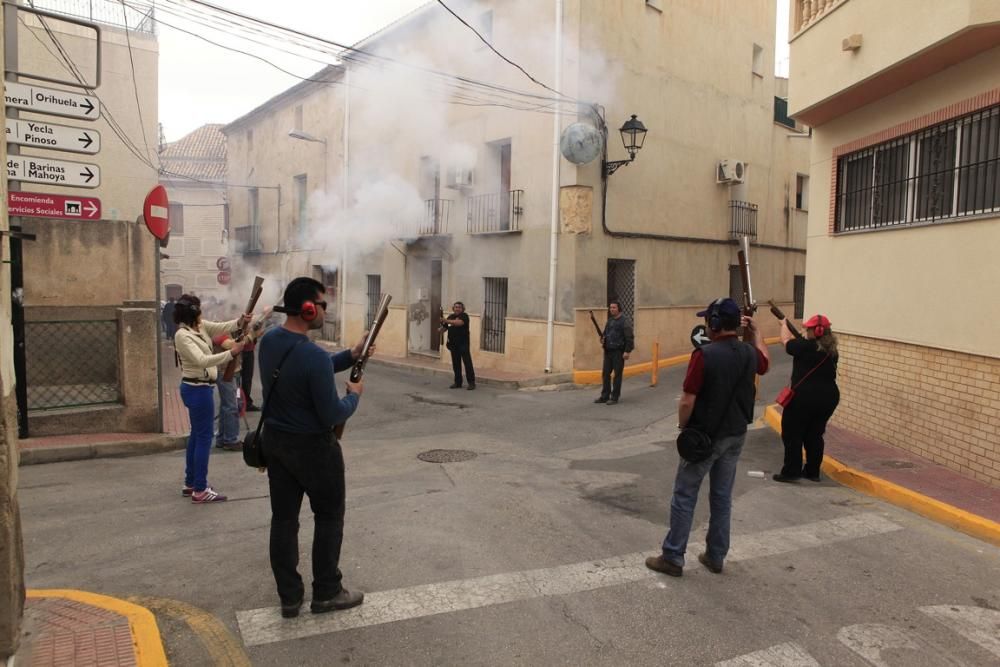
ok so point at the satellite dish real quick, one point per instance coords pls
(581, 143)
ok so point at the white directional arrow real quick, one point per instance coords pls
(701, 338)
(53, 172)
(91, 209)
(49, 135)
(51, 101)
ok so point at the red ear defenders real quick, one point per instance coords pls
(307, 312)
(819, 324)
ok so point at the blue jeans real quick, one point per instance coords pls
(721, 469)
(229, 412)
(201, 410)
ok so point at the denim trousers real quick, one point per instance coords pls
(721, 469)
(201, 411)
(229, 411)
(310, 465)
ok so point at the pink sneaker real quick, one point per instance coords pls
(209, 495)
(186, 491)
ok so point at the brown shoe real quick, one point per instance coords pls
(710, 564)
(658, 564)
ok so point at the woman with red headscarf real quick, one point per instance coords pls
(814, 384)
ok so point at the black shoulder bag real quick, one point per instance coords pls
(695, 445)
(253, 454)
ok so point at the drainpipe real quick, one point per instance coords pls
(346, 180)
(554, 244)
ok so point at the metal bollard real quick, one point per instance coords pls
(656, 363)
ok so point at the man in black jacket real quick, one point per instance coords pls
(618, 342)
(457, 327)
(718, 400)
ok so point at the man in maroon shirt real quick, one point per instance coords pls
(718, 400)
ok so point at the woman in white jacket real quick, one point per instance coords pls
(199, 372)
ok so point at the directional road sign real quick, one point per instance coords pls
(51, 101)
(53, 172)
(699, 336)
(49, 135)
(41, 205)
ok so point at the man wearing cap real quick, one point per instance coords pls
(718, 400)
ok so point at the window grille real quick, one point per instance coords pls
(496, 212)
(621, 285)
(494, 331)
(799, 292)
(72, 363)
(374, 296)
(944, 172)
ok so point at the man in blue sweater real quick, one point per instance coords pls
(303, 456)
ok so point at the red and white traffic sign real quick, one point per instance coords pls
(62, 207)
(156, 211)
(224, 277)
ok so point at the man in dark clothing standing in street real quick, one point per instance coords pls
(618, 342)
(718, 400)
(303, 456)
(246, 375)
(457, 327)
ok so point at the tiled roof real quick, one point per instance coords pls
(200, 155)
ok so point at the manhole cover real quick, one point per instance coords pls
(446, 455)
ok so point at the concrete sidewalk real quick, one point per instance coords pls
(908, 481)
(66, 628)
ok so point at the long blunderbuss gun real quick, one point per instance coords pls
(600, 334)
(442, 327)
(239, 334)
(749, 306)
(358, 371)
(781, 316)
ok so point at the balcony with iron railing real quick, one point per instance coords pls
(495, 213)
(246, 239)
(136, 16)
(433, 222)
(742, 220)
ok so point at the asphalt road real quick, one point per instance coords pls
(529, 553)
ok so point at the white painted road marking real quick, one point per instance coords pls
(978, 625)
(870, 640)
(781, 655)
(264, 626)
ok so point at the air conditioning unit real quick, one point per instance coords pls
(459, 178)
(730, 171)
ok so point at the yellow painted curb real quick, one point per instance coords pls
(594, 377)
(925, 506)
(146, 641)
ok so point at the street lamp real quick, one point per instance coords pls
(305, 136)
(633, 135)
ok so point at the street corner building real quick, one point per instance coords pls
(904, 216)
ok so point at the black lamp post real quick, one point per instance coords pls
(633, 135)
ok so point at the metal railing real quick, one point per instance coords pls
(247, 238)
(493, 337)
(742, 219)
(72, 363)
(435, 220)
(944, 172)
(496, 212)
(139, 16)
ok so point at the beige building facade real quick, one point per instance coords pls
(193, 171)
(905, 103)
(439, 191)
(93, 281)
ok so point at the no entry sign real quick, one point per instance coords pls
(156, 212)
(61, 207)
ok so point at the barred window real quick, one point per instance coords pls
(374, 296)
(494, 332)
(941, 173)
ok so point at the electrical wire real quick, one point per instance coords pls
(135, 83)
(493, 49)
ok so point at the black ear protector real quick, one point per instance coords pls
(714, 316)
(308, 312)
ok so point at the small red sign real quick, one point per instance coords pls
(222, 264)
(156, 211)
(224, 277)
(62, 207)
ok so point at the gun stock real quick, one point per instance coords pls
(240, 334)
(781, 316)
(358, 371)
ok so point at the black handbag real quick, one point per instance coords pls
(253, 452)
(695, 445)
